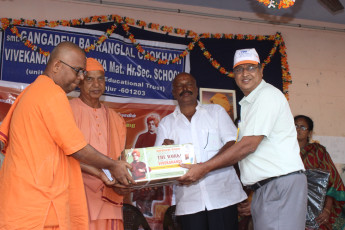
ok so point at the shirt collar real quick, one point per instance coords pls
(177, 110)
(251, 97)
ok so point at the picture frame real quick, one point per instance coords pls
(223, 97)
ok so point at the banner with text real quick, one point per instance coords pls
(128, 74)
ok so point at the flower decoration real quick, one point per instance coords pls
(126, 24)
(277, 4)
(5, 22)
(102, 38)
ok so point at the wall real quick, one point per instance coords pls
(316, 57)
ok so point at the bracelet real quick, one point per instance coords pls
(325, 209)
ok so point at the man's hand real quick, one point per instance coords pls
(323, 218)
(119, 171)
(195, 173)
(122, 190)
(105, 179)
(96, 173)
(168, 142)
(243, 208)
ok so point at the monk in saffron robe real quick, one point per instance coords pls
(40, 181)
(105, 130)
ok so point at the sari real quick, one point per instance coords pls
(315, 156)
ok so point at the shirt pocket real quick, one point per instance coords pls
(212, 142)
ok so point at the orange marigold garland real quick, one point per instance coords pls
(125, 22)
(278, 4)
(148, 56)
(214, 62)
(102, 38)
(26, 42)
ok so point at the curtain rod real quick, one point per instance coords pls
(163, 9)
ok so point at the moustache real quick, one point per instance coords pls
(186, 91)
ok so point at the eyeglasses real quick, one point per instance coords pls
(80, 71)
(301, 127)
(248, 68)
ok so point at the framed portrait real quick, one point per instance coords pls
(224, 97)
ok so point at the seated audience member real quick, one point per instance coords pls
(315, 156)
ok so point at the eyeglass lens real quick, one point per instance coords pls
(249, 68)
(301, 127)
(79, 71)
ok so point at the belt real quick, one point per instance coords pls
(261, 183)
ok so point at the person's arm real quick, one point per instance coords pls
(243, 208)
(96, 173)
(227, 156)
(168, 142)
(122, 191)
(142, 168)
(328, 164)
(118, 169)
(328, 204)
(225, 147)
(326, 212)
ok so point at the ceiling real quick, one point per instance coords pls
(302, 9)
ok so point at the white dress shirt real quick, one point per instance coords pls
(210, 128)
(265, 111)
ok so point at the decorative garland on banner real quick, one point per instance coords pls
(278, 4)
(126, 22)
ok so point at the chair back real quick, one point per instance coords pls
(170, 221)
(133, 219)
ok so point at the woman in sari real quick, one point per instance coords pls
(315, 156)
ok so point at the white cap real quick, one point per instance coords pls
(245, 56)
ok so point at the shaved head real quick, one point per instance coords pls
(66, 63)
(64, 49)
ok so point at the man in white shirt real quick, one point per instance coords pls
(209, 204)
(267, 149)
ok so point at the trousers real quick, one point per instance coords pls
(281, 204)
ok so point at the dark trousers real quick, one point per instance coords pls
(217, 219)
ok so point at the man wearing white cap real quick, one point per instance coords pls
(267, 151)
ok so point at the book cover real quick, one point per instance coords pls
(156, 166)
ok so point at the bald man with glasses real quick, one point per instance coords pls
(41, 185)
